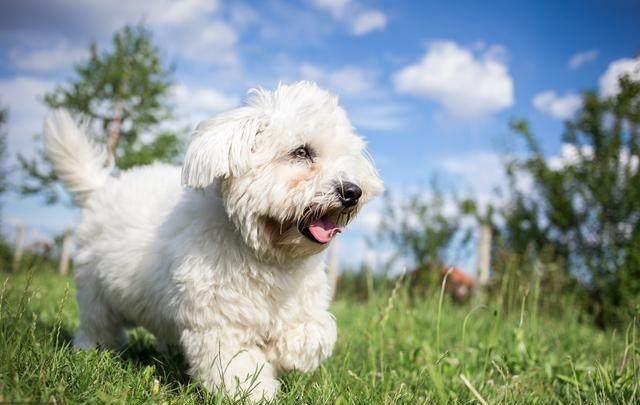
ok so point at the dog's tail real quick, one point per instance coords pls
(82, 165)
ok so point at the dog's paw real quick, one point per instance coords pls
(304, 346)
(263, 389)
(82, 341)
(251, 389)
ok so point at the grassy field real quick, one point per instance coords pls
(391, 349)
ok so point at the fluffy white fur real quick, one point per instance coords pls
(212, 260)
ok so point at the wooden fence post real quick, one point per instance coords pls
(65, 254)
(484, 255)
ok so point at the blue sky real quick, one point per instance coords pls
(431, 85)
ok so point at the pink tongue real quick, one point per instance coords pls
(324, 229)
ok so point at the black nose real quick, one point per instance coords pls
(349, 193)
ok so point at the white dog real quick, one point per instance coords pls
(226, 264)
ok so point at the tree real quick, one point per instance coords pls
(584, 205)
(6, 254)
(123, 94)
(420, 230)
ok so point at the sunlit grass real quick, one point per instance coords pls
(392, 348)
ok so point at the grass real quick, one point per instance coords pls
(392, 348)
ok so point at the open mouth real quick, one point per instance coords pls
(320, 230)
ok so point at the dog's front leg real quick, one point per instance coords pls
(303, 346)
(221, 362)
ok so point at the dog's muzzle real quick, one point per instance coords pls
(323, 228)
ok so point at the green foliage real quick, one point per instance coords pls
(164, 145)
(387, 352)
(6, 255)
(361, 284)
(425, 232)
(123, 94)
(418, 228)
(584, 212)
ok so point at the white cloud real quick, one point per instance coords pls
(368, 106)
(480, 166)
(560, 107)
(346, 80)
(23, 95)
(109, 16)
(361, 20)
(336, 8)
(609, 80)
(213, 42)
(351, 80)
(190, 29)
(60, 56)
(312, 72)
(241, 15)
(382, 116)
(466, 85)
(196, 104)
(368, 21)
(179, 12)
(482, 170)
(581, 58)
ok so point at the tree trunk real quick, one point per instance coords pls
(19, 246)
(114, 128)
(63, 266)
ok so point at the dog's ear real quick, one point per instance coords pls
(221, 147)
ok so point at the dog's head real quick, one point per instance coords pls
(291, 170)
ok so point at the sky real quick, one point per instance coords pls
(431, 85)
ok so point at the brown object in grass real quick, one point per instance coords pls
(459, 284)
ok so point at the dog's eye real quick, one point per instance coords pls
(302, 153)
